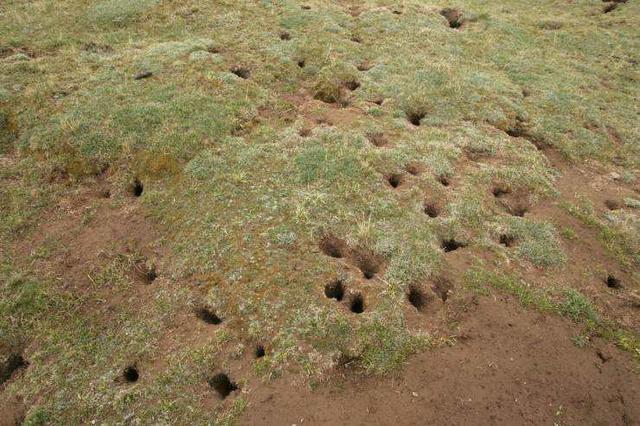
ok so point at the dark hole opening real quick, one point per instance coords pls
(332, 246)
(369, 266)
(453, 16)
(613, 204)
(500, 191)
(13, 363)
(378, 139)
(301, 63)
(136, 188)
(357, 304)
(130, 374)
(417, 298)
(395, 180)
(334, 290)
(259, 350)
(431, 210)
(151, 274)
(507, 240)
(451, 245)
(240, 72)
(613, 282)
(222, 384)
(285, 36)
(352, 85)
(415, 117)
(444, 180)
(208, 316)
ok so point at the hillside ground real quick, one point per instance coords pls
(345, 212)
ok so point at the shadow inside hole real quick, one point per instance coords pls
(334, 290)
(130, 374)
(208, 316)
(222, 384)
(431, 210)
(444, 180)
(260, 352)
(415, 117)
(241, 72)
(333, 246)
(507, 240)
(356, 304)
(613, 282)
(137, 188)
(12, 364)
(395, 180)
(500, 191)
(377, 139)
(451, 244)
(352, 85)
(417, 298)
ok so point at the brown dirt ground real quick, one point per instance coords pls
(513, 366)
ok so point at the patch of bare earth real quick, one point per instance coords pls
(510, 366)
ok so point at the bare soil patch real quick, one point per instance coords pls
(509, 366)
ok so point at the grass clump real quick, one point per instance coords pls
(119, 12)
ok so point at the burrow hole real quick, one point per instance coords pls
(285, 36)
(444, 180)
(334, 290)
(519, 210)
(305, 132)
(417, 298)
(413, 169)
(507, 240)
(442, 287)
(613, 204)
(356, 304)
(241, 72)
(301, 63)
(368, 263)
(352, 85)
(499, 191)
(431, 210)
(415, 117)
(130, 374)
(454, 17)
(222, 384)
(451, 244)
(377, 138)
(147, 273)
(208, 315)
(333, 246)
(260, 352)
(395, 179)
(136, 188)
(13, 363)
(613, 282)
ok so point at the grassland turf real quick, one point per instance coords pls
(182, 185)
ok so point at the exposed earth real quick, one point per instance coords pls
(322, 212)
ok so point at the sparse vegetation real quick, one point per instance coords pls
(186, 185)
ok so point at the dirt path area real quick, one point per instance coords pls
(513, 366)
